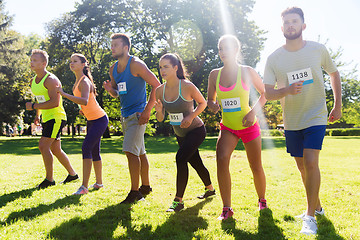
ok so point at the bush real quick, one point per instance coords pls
(343, 132)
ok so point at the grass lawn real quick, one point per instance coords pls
(54, 213)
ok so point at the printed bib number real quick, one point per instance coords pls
(122, 87)
(231, 104)
(300, 75)
(176, 118)
(40, 98)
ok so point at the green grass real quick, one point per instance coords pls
(53, 213)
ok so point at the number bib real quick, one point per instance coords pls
(176, 118)
(40, 98)
(231, 104)
(122, 87)
(300, 75)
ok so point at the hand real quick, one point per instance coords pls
(107, 85)
(295, 88)
(186, 122)
(81, 112)
(248, 119)
(158, 106)
(335, 114)
(59, 90)
(143, 118)
(214, 106)
(28, 106)
(37, 120)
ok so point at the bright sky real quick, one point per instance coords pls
(335, 20)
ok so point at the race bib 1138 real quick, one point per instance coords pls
(231, 104)
(300, 75)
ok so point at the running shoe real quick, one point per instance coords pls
(208, 193)
(46, 183)
(317, 213)
(226, 213)
(309, 225)
(176, 206)
(70, 178)
(133, 197)
(97, 186)
(81, 191)
(145, 190)
(262, 204)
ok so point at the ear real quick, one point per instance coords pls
(303, 26)
(176, 67)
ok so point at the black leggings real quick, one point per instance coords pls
(189, 152)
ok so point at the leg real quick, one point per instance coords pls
(62, 157)
(87, 164)
(253, 152)
(226, 144)
(98, 171)
(300, 165)
(134, 169)
(312, 178)
(44, 147)
(144, 170)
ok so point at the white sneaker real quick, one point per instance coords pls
(317, 213)
(309, 225)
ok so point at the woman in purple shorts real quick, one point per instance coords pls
(230, 85)
(84, 91)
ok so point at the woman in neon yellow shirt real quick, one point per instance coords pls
(231, 85)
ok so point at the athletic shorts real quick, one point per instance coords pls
(133, 135)
(52, 128)
(311, 138)
(247, 134)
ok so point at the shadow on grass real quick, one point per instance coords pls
(267, 228)
(104, 222)
(41, 209)
(4, 199)
(326, 229)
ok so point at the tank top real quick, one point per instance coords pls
(92, 110)
(42, 95)
(179, 109)
(132, 90)
(234, 102)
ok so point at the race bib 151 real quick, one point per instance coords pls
(176, 118)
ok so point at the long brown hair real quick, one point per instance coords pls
(86, 69)
(175, 60)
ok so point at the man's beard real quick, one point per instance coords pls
(117, 56)
(293, 37)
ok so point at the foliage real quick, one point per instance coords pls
(12, 81)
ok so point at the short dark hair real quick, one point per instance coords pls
(296, 10)
(124, 38)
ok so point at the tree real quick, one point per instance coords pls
(12, 66)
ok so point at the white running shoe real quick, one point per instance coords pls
(309, 225)
(317, 213)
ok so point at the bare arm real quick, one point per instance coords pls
(159, 108)
(335, 81)
(211, 98)
(110, 86)
(84, 88)
(143, 71)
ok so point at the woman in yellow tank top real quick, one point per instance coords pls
(230, 85)
(84, 95)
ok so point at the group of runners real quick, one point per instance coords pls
(293, 74)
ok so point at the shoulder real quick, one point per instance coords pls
(137, 63)
(52, 80)
(214, 73)
(111, 69)
(159, 90)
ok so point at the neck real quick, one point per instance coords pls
(294, 45)
(124, 59)
(231, 65)
(172, 81)
(78, 75)
(40, 73)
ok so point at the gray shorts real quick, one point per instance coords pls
(133, 135)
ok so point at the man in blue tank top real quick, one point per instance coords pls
(129, 76)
